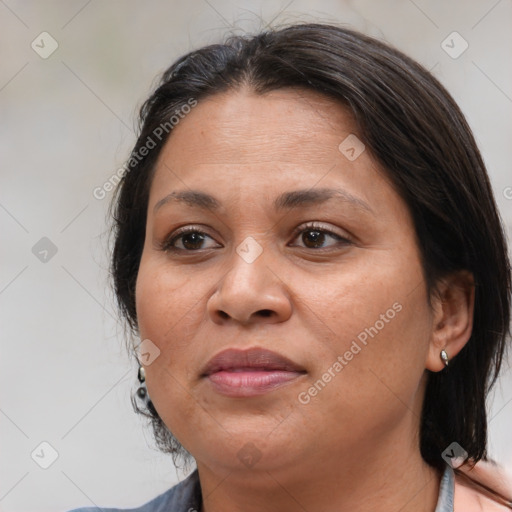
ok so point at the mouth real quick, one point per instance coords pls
(245, 373)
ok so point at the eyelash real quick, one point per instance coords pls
(168, 246)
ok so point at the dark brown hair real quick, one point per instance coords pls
(416, 131)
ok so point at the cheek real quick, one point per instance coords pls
(163, 299)
(379, 323)
(168, 311)
(383, 358)
(376, 383)
(354, 296)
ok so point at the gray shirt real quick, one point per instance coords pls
(186, 497)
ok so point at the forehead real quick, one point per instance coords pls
(240, 126)
(243, 147)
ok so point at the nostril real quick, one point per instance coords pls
(265, 313)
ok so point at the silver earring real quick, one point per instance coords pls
(142, 391)
(444, 357)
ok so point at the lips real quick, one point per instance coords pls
(246, 373)
(250, 360)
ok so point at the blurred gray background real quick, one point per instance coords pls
(72, 77)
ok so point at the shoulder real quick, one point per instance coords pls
(183, 497)
(485, 487)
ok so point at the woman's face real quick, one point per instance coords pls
(309, 253)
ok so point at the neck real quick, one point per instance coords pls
(385, 478)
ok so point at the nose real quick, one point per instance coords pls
(249, 293)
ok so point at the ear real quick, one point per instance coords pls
(453, 307)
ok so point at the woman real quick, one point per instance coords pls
(307, 244)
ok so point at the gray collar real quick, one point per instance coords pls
(446, 491)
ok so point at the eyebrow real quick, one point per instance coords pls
(286, 201)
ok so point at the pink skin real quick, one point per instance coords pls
(244, 373)
(249, 382)
(354, 445)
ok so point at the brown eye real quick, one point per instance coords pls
(188, 239)
(314, 237)
(192, 240)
